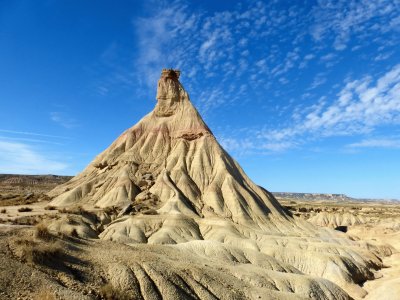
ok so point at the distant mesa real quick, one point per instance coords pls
(313, 196)
(31, 180)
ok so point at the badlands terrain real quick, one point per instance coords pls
(165, 213)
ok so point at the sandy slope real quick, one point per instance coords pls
(372, 223)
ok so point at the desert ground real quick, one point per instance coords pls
(165, 213)
(38, 263)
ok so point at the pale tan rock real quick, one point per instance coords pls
(335, 219)
(203, 205)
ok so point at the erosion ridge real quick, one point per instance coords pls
(195, 225)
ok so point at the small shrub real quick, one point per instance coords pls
(76, 210)
(42, 232)
(3, 211)
(110, 210)
(74, 233)
(25, 220)
(108, 292)
(50, 207)
(24, 209)
(34, 252)
(70, 220)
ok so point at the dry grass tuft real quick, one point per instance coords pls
(26, 220)
(33, 252)
(24, 209)
(44, 295)
(3, 211)
(76, 210)
(42, 232)
(62, 210)
(108, 292)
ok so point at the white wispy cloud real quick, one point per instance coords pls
(306, 59)
(233, 144)
(245, 44)
(340, 21)
(115, 71)
(27, 133)
(30, 140)
(163, 39)
(319, 79)
(217, 46)
(254, 145)
(383, 56)
(278, 146)
(20, 158)
(63, 120)
(377, 143)
(360, 107)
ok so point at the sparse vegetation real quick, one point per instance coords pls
(24, 209)
(62, 210)
(26, 220)
(44, 294)
(70, 220)
(50, 207)
(21, 198)
(108, 292)
(34, 252)
(76, 210)
(42, 232)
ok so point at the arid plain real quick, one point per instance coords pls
(373, 222)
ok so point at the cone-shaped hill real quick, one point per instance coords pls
(208, 224)
(171, 158)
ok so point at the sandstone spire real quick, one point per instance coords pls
(169, 92)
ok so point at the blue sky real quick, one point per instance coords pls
(304, 94)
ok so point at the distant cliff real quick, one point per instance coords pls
(324, 197)
(312, 196)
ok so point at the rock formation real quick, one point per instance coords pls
(335, 219)
(188, 196)
(171, 158)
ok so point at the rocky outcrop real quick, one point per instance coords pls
(169, 91)
(336, 219)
